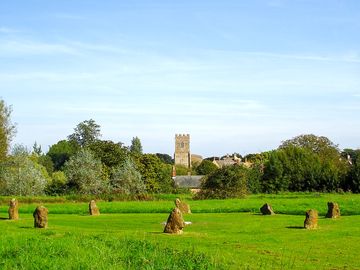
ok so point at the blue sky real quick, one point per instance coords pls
(239, 76)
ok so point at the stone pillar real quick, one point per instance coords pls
(311, 219)
(266, 209)
(175, 222)
(14, 209)
(41, 217)
(184, 207)
(333, 210)
(93, 209)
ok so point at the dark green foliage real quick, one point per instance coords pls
(317, 144)
(206, 167)
(354, 155)
(273, 180)
(294, 168)
(165, 158)
(254, 178)
(47, 162)
(58, 185)
(156, 175)
(227, 182)
(61, 152)
(353, 178)
(111, 154)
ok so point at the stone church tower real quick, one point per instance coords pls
(182, 150)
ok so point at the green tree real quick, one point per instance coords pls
(156, 175)
(7, 129)
(353, 178)
(111, 154)
(85, 133)
(37, 149)
(206, 167)
(254, 178)
(58, 184)
(318, 144)
(165, 158)
(61, 152)
(127, 179)
(21, 176)
(84, 173)
(136, 147)
(354, 155)
(273, 180)
(227, 182)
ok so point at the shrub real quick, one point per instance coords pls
(84, 172)
(227, 182)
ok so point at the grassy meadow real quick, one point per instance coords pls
(224, 234)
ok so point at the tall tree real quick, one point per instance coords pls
(111, 154)
(165, 158)
(7, 129)
(206, 167)
(85, 133)
(155, 174)
(61, 152)
(136, 147)
(318, 144)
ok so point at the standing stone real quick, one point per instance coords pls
(175, 222)
(184, 207)
(41, 217)
(311, 219)
(93, 209)
(266, 209)
(14, 209)
(333, 210)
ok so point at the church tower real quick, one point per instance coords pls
(182, 150)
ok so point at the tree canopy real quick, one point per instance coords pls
(85, 133)
(7, 129)
(136, 147)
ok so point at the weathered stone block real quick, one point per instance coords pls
(333, 210)
(266, 209)
(184, 207)
(41, 217)
(311, 220)
(13, 209)
(175, 222)
(93, 209)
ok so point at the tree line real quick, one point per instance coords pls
(304, 163)
(82, 163)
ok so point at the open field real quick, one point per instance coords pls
(230, 239)
(291, 204)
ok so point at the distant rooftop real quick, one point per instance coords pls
(188, 181)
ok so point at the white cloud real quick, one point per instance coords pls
(15, 47)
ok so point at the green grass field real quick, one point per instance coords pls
(224, 234)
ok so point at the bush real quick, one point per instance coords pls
(84, 172)
(227, 182)
(206, 167)
(21, 176)
(126, 179)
